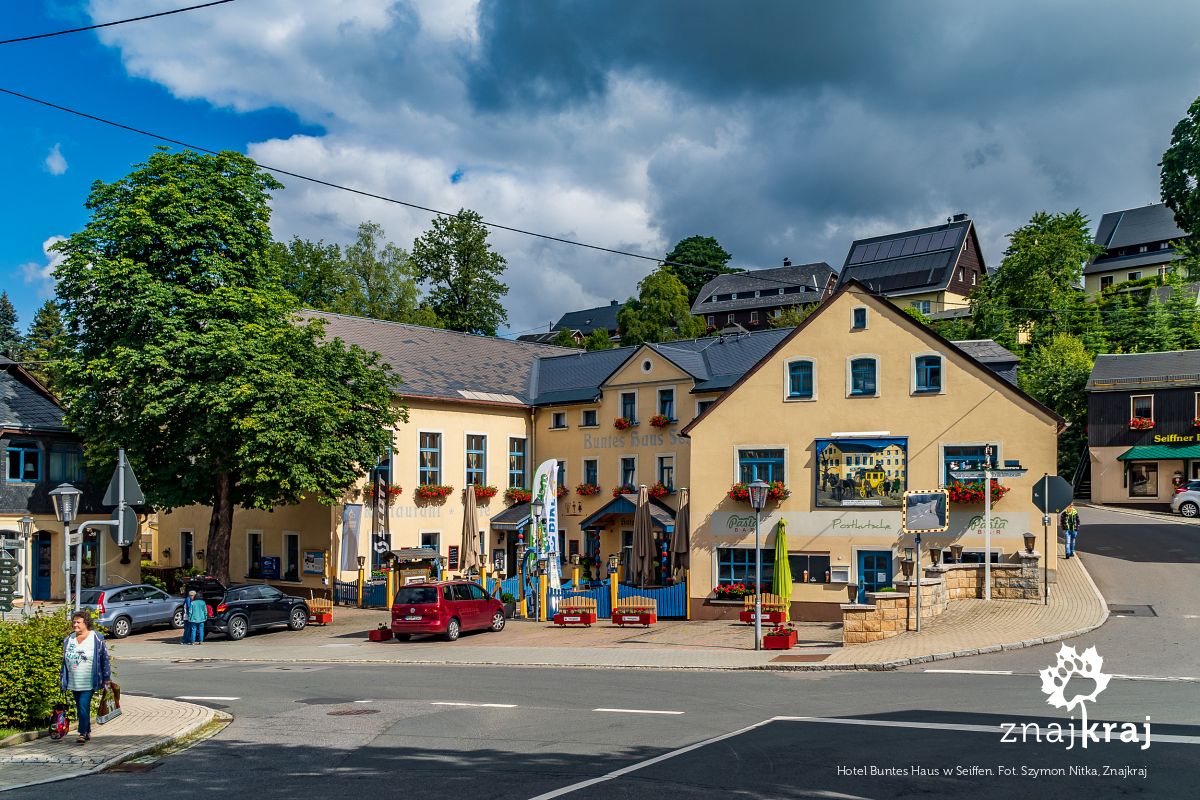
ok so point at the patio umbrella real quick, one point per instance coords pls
(681, 537)
(643, 538)
(468, 558)
(781, 583)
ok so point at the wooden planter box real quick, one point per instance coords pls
(783, 641)
(587, 618)
(320, 617)
(645, 618)
(379, 635)
(773, 617)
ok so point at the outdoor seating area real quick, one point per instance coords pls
(635, 610)
(576, 611)
(774, 609)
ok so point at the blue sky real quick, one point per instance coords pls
(786, 132)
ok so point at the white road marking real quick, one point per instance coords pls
(364, 701)
(337, 645)
(946, 726)
(973, 671)
(197, 697)
(477, 705)
(635, 711)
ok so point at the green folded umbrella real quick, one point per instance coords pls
(781, 583)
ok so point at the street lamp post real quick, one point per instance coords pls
(536, 508)
(758, 499)
(66, 507)
(25, 526)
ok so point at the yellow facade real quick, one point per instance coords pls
(42, 557)
(937, 301)
(973, 407)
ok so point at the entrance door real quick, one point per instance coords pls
(41, 566)
(874, 572)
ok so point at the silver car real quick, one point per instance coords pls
(1187, 500)
(124, 609)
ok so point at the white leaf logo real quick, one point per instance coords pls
(1071, 664)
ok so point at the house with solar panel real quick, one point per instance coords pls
(933, 269)
(1138, 243)
(751, 299)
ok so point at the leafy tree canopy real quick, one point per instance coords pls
(463, 273)
(660, 313)
(565, 338)
(696, 260)
(183, 347)
(1180, 176)
(1056, 373)
(598, 339)
(792, 316)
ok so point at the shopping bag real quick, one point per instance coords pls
(109, 709)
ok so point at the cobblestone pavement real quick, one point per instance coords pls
(145, 724)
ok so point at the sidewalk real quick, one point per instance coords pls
(145, 724)
(969, 627)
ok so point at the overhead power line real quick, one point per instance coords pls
(114, 22)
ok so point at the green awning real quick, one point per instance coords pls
(1160, 452)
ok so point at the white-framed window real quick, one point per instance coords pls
(1106, 281)
(923, 306)
(628, 471)
(779, 311)
(666, 470)
(858, 318)
(928, 373)
(760, 462)
(429, 459)
(629, 406)
(1133, 276)
(730, 319)
(558, 420)
(291, 556)
(666, 403)
(702, 406)
(476, 459)
(1141, 406)
(517, 460)
(588, 419)
(254, 554)
(754, 317)
(712, 321)
(800, 378)
(862, 376)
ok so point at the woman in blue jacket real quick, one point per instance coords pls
(85, 668)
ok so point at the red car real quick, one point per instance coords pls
(447, 608)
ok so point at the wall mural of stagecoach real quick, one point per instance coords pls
(858, 472)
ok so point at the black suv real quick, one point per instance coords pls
(252, 606)
(208, 587)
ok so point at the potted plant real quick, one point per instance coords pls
(659, 490)
(432, 491)
(394, 490)
(967, 493)
(587, 489)
(776, 491)
(517, 494)
(1140, 424)
(380, 634)
(485, 492)
(510, 604)
(624, 488)
(732, 591)
(624, 423)
(660, 421)
(781, 637)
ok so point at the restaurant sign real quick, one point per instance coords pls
(733, 527)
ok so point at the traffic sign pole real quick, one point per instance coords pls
(1045, 544)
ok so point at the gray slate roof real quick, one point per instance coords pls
(440, 363)
(715, 362)
(986, 351)
(810, 279)
(909, 261)
(588, 319)
(23, 406)
(1173, 368)
(1132, 227)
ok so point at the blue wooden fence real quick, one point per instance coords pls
(345, 593)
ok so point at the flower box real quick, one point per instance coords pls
(776, 491)
(780, 641)
(517, 494)
(659, 490)
(732, 591)
(587, 489)
(432, 491)
(644, 618)
(379, 635)
(586, 618)
(624, 488)
(1196, 422)
(968, 493)
(773, 617)
(1140, 424)
(624, 423)
(320, 617)
(661, 421)
(485, 492)
(560, 492)
(395, 490)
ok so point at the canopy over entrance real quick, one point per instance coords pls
(1160, 452)
(512, 518)
(661, 515)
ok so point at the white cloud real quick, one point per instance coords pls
(55, 163)
(42, 274)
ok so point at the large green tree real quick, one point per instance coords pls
(696, 260)
(598, 339)
(183, 347)
(42, 346)
(312, 271)
(661, 311)
(10, 335)
(792, 316)
(1056, 373)
(1035, 288)
(1180, 175)
(463, 273)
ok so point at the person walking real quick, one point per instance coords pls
(196, 614)
(85, 668)
(1070, 526)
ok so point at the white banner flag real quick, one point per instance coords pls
(545, 490)
(351, 522)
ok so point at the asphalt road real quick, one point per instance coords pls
(383, 731)
(1136, 562)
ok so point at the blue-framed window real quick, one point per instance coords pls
(429, 463)
(666, 403)
(629, 405)
(766, 465)
(862, 376)
(736, 565)
(967, 457)
(929, 373)
(591, 471)
(800, 379)
(516, 462)
(66, 464)
(562, 473)
(476, 459)
(628, 470)
(24, 462)
(859, 318)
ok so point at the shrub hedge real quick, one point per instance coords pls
(30, 659)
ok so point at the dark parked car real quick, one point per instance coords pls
(253, 606)
(124, 609)
(448, 608)
(208, 587)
